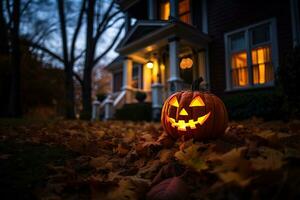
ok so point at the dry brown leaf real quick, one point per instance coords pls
(165, 155)
(99, 162)
(269, 159)
(234, 177)
(123, 150)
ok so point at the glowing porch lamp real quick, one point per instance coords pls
(149, 64)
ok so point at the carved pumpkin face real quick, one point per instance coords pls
(196, 114)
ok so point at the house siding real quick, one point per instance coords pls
(229, 15)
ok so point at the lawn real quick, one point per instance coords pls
(62, 159)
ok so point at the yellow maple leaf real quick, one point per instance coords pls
(191, 158)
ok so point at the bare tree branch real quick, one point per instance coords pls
(46, 50)
(79, 55)
(61, 14)
(96, 60)
(104, 23)
(10, 18)
(76, 32)
(113, 23)
(78, 78)
(25, 7)
(8, 11)
(105, 16)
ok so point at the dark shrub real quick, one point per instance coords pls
(135, 112)
(289, 82)
(140, 96)
(101, 97)
(265, 104)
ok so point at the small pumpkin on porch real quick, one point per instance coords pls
(186, 63)
(194, 114)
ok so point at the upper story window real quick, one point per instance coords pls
(184, 11)
(251, 54)
(165, 10)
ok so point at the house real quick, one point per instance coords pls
(234, 45)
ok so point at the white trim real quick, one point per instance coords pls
(248, 47)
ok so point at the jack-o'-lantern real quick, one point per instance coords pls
(194, 114)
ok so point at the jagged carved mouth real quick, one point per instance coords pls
(182, 125)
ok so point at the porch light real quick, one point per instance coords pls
(186, 63)
(149, 64)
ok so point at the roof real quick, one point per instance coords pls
(148, 32)
(140, 29)
(116, 64)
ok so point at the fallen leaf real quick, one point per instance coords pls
(172, 188)
(192, 158)
(235, 177)
(165, 155)
(170, 170)
(269, 159)
(123, 150)
(99, 162)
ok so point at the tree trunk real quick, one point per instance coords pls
(15, 105)
(3, 33)
(69, 84)
(89, 56)
(69, 93)
(86, 94)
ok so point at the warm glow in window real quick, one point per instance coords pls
(261, 63)
(184, 11)
(165, 10)
(239, 69)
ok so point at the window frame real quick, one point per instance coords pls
(248, 47)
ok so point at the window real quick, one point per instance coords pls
(137, 76)
(117, 81)
(184, 12)
(250, 55)
(164, 10)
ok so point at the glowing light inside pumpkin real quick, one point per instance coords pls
(182, 125)
(174, 102)
(183, 112)
(186, 63)
(197, 101)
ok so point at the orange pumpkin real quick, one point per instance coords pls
(194, 114)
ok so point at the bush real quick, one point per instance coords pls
(289, 82)
(140, 96)
(265, 104)
(101, 96)
(135, 112)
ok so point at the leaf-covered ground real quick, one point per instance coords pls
(129, 160)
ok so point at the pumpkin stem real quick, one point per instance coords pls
(196, 85)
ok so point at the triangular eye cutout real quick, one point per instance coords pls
(174, 102)
(197, 101)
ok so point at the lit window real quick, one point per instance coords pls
(250, 57)
(136, 76)
(184, 11)
(261, 64)
(239, 69)
(165, 10)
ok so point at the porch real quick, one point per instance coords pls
(159, 58)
